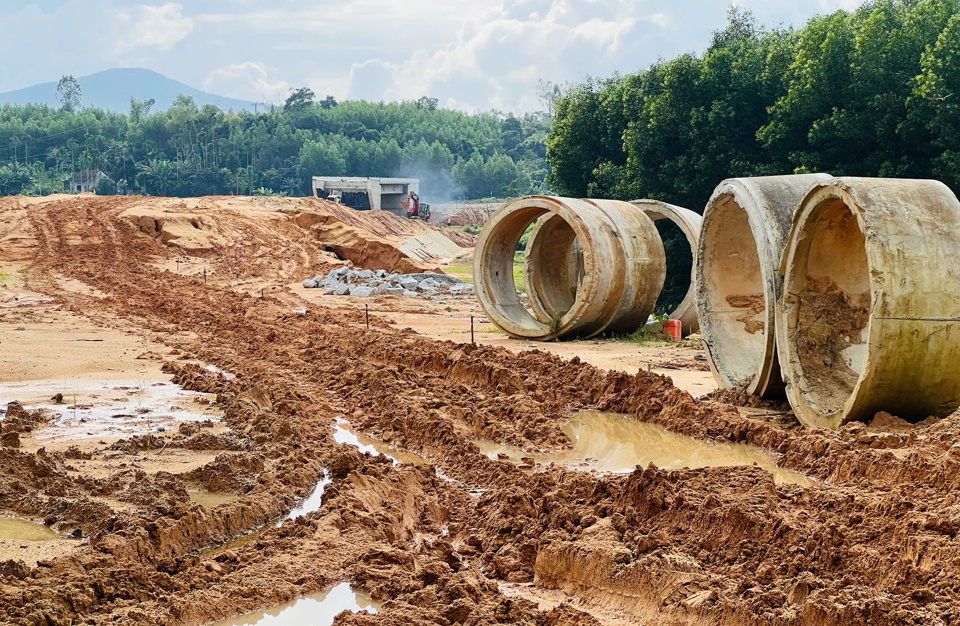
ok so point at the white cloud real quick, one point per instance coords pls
(249, 80)
(371, 80)
(152, 27)
(469, 54)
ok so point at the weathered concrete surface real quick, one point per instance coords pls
(870, 317)
(623, 268)
(744, 229)
(552, 275)
(690, 224)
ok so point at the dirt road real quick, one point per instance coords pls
(464, 538)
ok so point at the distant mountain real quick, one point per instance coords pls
(112, 89)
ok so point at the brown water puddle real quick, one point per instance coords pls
(611, 442)
(316, 609)
(92, 408)
(343, 433)
(210, 499)
(237, 542)
(24, 530)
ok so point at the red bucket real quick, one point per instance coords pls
(673, 328)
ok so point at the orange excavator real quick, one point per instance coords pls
(416, 210)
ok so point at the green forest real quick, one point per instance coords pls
(191, 151)
(874, 92)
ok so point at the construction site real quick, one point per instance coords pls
(261, 410)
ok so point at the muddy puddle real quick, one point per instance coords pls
(24, 530)
(237, 542)
(210, 499)
(343, 433)
(311, 503)
(316, 609)
(611, 442)
(217, 370)
(86, 408)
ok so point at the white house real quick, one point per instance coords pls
(85, 181)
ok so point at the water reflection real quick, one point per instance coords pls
(25, 530)
(612, 442)
(318, 609)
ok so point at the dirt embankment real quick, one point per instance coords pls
(873, 542)
(261, 236)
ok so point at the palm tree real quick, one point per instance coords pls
(157, 177)
(13, 178)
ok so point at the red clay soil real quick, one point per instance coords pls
(874, 542)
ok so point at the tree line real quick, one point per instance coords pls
(191, 150)
(872, 92)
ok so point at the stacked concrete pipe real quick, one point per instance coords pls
(553, 265)
(623, 268)
(738, 284)
(870, 317)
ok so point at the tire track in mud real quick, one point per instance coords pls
(876, 543)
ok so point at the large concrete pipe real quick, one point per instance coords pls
(623, 267)
(690, 224)
(745, 226)
(552, 281)
(870, 317)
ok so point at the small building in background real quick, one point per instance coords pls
(85, 181)
(386, 194)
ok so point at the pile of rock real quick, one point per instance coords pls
(346, 281)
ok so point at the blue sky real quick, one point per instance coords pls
(469, 54)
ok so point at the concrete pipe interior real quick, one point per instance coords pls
(829, 306)
(581, 313)
(499, 267)
(734, 298)
(679, 256)
(553, 268)
(552, 282)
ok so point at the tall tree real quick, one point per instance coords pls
(69, 94)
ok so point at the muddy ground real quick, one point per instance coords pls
(462, 539)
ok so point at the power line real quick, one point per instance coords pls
(32, 142)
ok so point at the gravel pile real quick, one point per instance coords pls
(346, 281)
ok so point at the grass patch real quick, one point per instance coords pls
(518, 271)
(646, 336)
(463, 271)
(3, 275)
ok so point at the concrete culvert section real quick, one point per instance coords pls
(665, 217)
(622, 267)
(745, 226)
(553, 264)
(870, 316)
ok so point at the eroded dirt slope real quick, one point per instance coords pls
(465, 539)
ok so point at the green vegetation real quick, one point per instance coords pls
(3, 275)
(190, 150)
(518, 271)
(461, 269)
(874, 92)
(647, 336)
